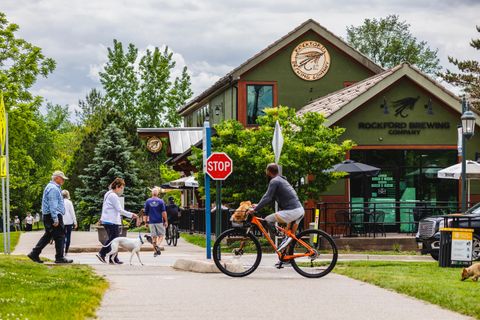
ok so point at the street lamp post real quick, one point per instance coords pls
(468, 130)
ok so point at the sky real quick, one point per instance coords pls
(210, 37)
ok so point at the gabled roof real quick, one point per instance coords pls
(308, 25)
(340, 103)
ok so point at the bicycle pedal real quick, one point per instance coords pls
(279, 265)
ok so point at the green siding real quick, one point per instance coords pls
(372, 112)
(296, 92)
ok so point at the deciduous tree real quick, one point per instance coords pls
(389, 42)
(309, 148)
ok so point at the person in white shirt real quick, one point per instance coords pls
(29, 222)
(69, 219)
(111, 216)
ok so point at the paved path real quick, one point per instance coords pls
(156, 290)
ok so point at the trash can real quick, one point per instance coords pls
(455, 247)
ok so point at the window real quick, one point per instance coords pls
(201, 115)
(259, 97)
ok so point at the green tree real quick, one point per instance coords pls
(119, 79)
(389, 42)
(113, 158)
(31, 146)
(63, 133)
(309, 148)
(468, 77)
(92, 109)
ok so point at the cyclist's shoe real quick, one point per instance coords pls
(281, 264)
(286, 241)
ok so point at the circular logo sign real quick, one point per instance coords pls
(154, 144)
(310, 60)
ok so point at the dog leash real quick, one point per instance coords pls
(140, 237)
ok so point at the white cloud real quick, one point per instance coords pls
(210, 37)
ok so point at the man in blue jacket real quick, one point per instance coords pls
(53, 210)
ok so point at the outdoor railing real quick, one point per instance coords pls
(344, 218)
(366, 218)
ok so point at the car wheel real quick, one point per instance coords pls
(476, 248)
(434, 255)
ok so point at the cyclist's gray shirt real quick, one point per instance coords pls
(281, 191)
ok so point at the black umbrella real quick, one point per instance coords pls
(355, 169)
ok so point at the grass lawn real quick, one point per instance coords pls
(196, 239)
(422, 280)
(36, 291)
(14, 236)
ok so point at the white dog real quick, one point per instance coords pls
(130, 244)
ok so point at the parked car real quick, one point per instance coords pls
(428, 234)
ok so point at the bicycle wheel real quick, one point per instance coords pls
(168, 235)
(236, 253)
(324, 259)
(174, 235)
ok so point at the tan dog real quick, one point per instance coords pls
(472, 271)
(241, 213)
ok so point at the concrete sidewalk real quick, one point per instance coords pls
(157, 289)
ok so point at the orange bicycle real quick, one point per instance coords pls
(237, 252)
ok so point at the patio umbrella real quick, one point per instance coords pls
(455, 172)
(185, 183)
(355, 169)
(182, 183)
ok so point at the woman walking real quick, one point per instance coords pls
(111, 216)
(69, 219)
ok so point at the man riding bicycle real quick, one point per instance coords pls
(173, 213)
(291, 209)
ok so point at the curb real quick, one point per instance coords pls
(198, 266)
(202, 266)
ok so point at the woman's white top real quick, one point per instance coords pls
(112, 209)
(69, 216)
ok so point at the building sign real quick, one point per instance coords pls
(310, 60)
(404, 128)
(154, 144)
(383, 186)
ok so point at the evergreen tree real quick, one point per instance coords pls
(112, 158)
(469, 76)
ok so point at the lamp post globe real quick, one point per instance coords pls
(468, 124)
(468, 129)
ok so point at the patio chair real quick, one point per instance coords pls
(376, 223)
(357, 223)
(342, 223)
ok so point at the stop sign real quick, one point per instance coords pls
(219, 166)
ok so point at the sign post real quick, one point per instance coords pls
(219, 167)
(206, 154)
(277, 144)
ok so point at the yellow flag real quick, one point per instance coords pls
(3, 123)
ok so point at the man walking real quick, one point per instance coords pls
(53, 210)
(157, 219)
